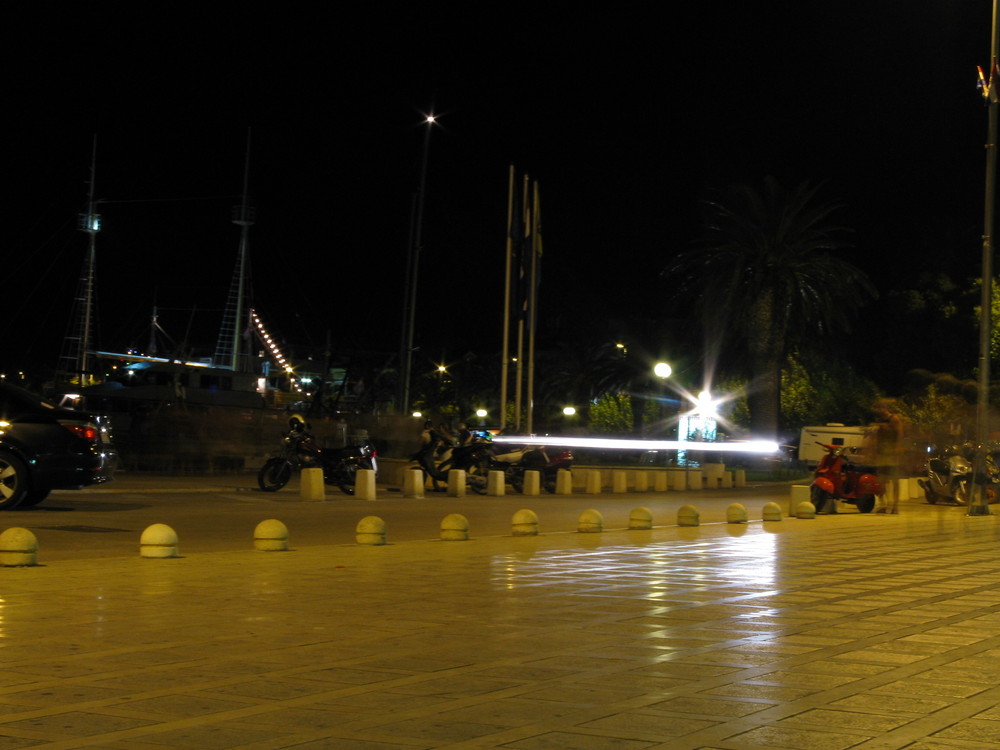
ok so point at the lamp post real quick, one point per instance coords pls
(412, 268)
(978, 506)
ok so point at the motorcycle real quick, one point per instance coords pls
(299, 450)
(528, 458)
(837, 478)
(950, 476)
(481, 456)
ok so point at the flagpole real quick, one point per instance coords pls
(505, 356)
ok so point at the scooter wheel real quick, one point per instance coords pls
(865, 503)
(819, 498)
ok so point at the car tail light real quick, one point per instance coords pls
(83, 430)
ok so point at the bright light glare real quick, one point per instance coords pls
(569, 411)
(749, 446)
(662, 370)
(481, 413)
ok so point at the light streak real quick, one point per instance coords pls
(747, 446)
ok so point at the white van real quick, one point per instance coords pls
(828, 434)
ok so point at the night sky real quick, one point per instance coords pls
(628, 119)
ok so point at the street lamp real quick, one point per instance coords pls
(412, 267)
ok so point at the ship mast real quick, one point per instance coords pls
(227, 350)
(75, 358)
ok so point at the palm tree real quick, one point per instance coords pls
(768, 272)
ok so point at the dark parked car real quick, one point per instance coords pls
(44, 447)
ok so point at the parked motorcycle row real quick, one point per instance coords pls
(480, 456)
(951, 479)
(299, 450)
(841, 476)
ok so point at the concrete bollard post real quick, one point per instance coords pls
(593, 486)
(158, 541)
(564, 482)
(678, 479)
(532, 483)
(18, 548)
(772, 512)
(413, 483)
(688, 516)
(370, 530)
(456, 483)
(590, 522)
(640, 518)
(713, 475)
(660, 483)
(641, 482)
(800, 494)
(736, 513)
(270, 536)
(364, 484)
(311, 485)
(454, 528)
(619, 481)
(695, 479)
(496, 485)
(805, 509)
(524, 523)
(740, 477)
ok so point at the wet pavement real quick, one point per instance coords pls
(846, 631)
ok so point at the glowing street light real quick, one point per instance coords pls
(662, 370)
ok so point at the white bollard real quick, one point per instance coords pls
(454, 528)
(805, 509)
(158, 541)
(800, 494)
(524, 523)
(713, 475)
(311, 484)
(370, 530)
(456, 483)
(564, 482)
(688, 516)
(496, 485)
(641, 482)
(590, 522)
(619, 481)
(772, 512)
(736, 513)
(364, 484)
(695, 480)
(640, 518)
(413, 483)
(532, 483)
(594, 482)
(678, 479)
(18, 548)
(660, 483)
(270, 536)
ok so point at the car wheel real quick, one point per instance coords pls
(13, 481)
(33, 498)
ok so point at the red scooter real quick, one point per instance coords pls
(839, 479)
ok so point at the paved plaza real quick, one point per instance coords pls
(846, 631)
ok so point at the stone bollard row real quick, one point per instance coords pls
(19, 547)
